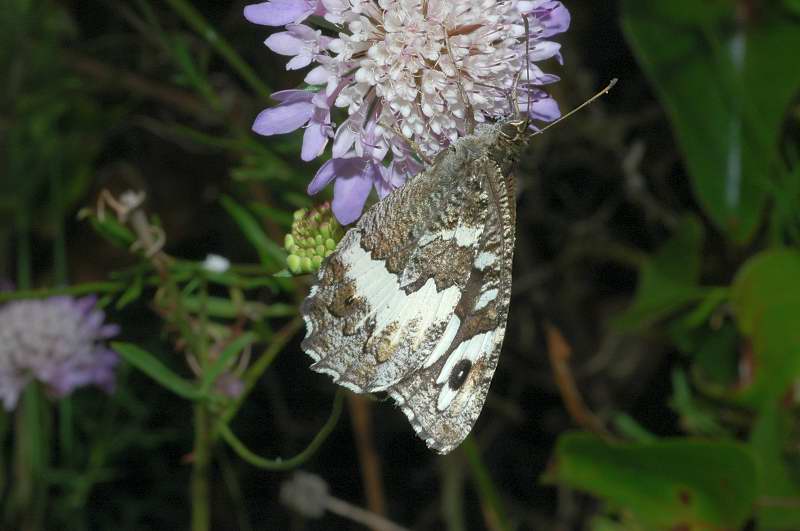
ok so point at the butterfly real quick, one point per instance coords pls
(414, 300)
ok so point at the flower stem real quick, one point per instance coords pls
(30, 461)
(293, 462)
(487, 491)
(200, 490)
(24, 274)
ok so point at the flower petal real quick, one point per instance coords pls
(292, 95)
(299, 61)
(325, 174)
(315, 139)
(284, 43)
(349, 196)
(284, 118)
(317, 76)
(545, 109)
(279, 12)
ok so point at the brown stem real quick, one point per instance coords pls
(559, 352)
(371, 476)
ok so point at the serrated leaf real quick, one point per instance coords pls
(668, 484)
(152, 367)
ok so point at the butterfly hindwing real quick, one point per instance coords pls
(444, 397)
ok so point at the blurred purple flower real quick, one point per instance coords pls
(58, 342)
(402, 69)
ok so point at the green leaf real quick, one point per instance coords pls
(226, 356)
(668, 280)
(132, 292)
(768, 279)
(769, 439)
(710, 74)
(270, 253)
(669, 484)
(113, 231)
(696, 417)
(793, 6)
(152, 367)
(766, 301)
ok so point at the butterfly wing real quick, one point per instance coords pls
(444, 397)
(385, 297)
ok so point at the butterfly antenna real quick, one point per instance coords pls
(597, 96)
(527, 70)
(470, 112)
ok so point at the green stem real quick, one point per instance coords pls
(66, 432)
(258, 368)
(30, 461)
(286, 464)
(484, 484)
(24, 252)
(452, 481)
(78, 289)
(59, 242)
(200, 490)
(198, 22)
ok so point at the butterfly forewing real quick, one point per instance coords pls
(385, 296)
(414, 300)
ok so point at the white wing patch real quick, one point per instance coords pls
(444, 343)
(464, 236)
(486, 297)
(484, 260)
(471, 350)
(387, 301)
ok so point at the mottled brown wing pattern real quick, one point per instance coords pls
(414, 300)
(385, 296)
(444, 397)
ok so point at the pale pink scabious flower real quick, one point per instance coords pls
(58, 342)
(411, 76)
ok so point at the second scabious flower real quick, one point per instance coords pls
(410, 77)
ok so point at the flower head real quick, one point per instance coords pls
(412, 76)
(56, 341)
(313, 237)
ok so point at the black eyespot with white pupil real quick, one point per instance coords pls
(459, 374)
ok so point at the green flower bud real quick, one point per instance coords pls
(313, 237)
(293, 263)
